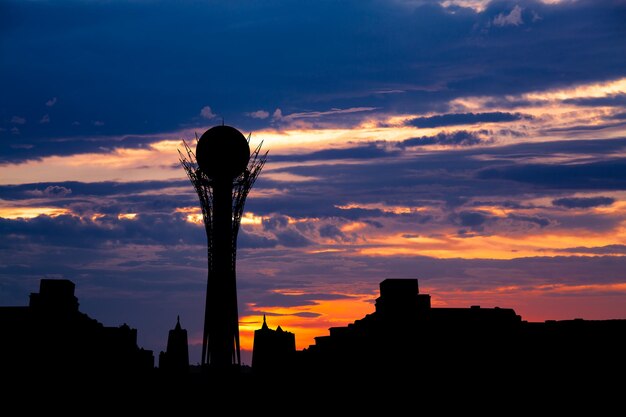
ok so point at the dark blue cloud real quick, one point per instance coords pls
(453, 119)
(583, 202)
(584, 128)
(305, 314)
(292, 239)
(597, 250)
(459, 138)
(84, 189)
(604, 175)
(130, 68)
(290, 300)
(275, 222)
(247, 240)
(368, 151)
(17, 148)
(72, 231)
(331, 231)
(433, 178)
(615, 100)
(471, 176)
(539, 221)
(472, 219)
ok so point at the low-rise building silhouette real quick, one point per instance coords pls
(52, 335)
(405, 334)
(176, 357)
(273, 350)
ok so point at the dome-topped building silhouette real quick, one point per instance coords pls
(222, 171)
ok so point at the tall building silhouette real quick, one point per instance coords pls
(176, 357)
(51, 334)
(273, 350)
(222, 171)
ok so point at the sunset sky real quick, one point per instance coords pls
(479, 146)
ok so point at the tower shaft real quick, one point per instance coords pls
(221, 327)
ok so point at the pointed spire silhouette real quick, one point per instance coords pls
(177, 323)
(264, 323)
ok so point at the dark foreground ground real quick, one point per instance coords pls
(433, 389)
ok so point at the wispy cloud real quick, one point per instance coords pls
(259, 114)
(318, 114)
(513, 18)
(583, 202)
(50, 191)
(207, 113)
(466, 119)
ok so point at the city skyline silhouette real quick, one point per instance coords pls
(474, 145)
(403, 338)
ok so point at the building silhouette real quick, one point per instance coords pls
(176, 357)
(273, 350)
(222, 171)
(406, 335)
(51, 335)
(405, 349)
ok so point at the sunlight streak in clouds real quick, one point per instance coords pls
(593, 90)
(31, 212)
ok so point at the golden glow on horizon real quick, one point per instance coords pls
(297, 140)
(193, 214)
(332, 313)
(288, 291)
(96, 216)
(187, 210)
(288, 177)
(159, 161)
(615, 208)
(551, 112)
(593, 90)
(531, 290)
(551, 121)
(583, 288)
(31, 212)
(353, 226)
(383, 207)
(122, 165)
(537, 243)
(195, 218)
(251, 218)
(169, 146)
(126, 216)
(329, 250)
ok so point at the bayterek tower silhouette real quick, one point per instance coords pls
(222, 171)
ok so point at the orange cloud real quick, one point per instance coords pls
(31, 212)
